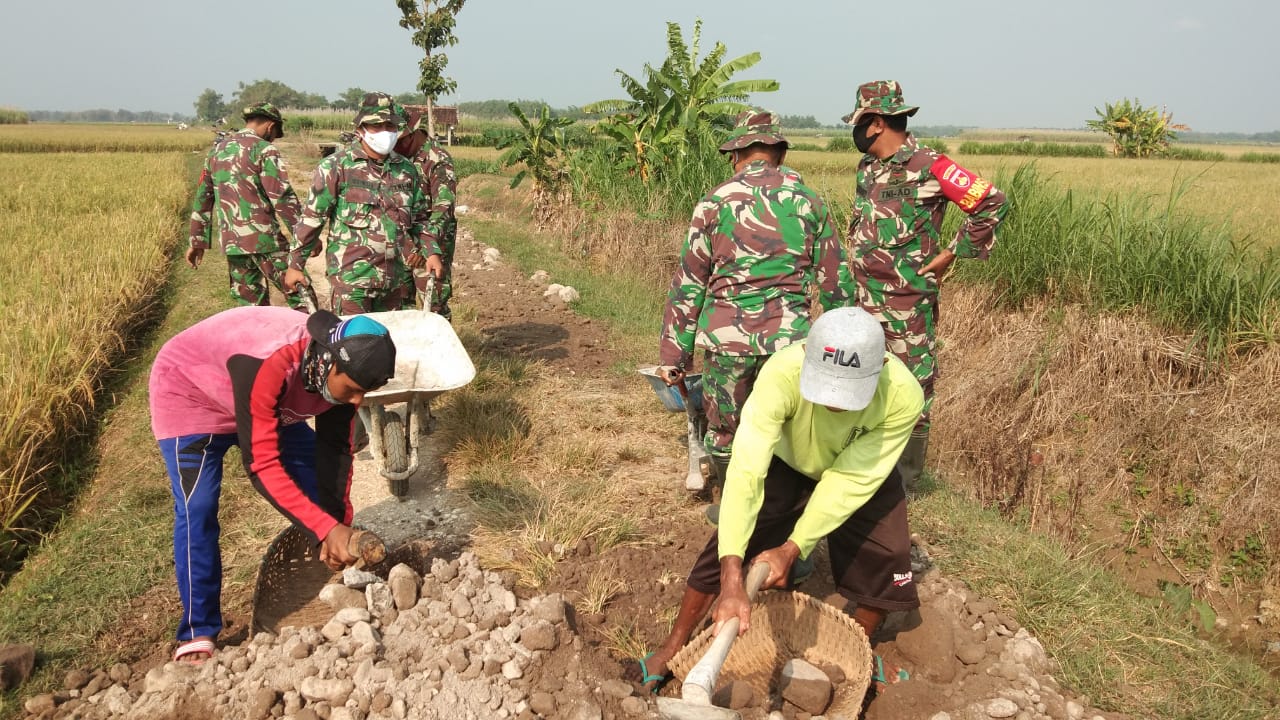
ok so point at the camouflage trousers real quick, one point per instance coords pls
(913, 341)
(347, 300)
(726, 382)
(250, 274)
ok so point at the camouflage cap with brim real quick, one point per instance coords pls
(264, 110)
(379, 107)
(879, 97)
(754, 126)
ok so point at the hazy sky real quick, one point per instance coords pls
(999, 63)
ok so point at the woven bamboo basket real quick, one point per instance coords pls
(786, 625)
(290, 578)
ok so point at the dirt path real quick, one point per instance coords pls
(967, 659)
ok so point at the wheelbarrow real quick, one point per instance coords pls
(429, 360)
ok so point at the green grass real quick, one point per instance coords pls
(1128, 653)
(1034, 149)
(1127, 252)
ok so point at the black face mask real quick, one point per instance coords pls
(860, 138)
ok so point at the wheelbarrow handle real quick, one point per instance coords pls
(304, 290)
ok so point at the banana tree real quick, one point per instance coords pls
(678, 105)
(1136, 131)
(539, 146)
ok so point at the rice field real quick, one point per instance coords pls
(1241, 194)
(84, 246)
(72, 137)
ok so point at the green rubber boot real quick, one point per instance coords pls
(720, 467)
(911, 462)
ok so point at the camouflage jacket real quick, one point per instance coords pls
(374, 208)
(758, 245)
(435, 165)
(244, 182)
(896, 225)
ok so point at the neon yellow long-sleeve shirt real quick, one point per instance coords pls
(848, 453)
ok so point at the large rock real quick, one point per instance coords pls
(16, 663)
(805, 686)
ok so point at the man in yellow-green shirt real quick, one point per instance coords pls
(814, 457)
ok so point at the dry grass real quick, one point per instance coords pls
(624, 641)
(602, 587)
(533, 451)
(1085, 425)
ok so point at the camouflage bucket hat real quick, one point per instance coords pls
(754, 126)
(379, 107)
(264, 110)
(880, 97)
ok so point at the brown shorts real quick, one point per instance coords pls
(870, 552)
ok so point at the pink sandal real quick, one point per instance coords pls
(192, 648)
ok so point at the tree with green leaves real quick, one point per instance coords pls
(539, 146)
(1136, 131)
(350, 99)
(679, 106)
(432, 27)
(210, 106)
(272, 91)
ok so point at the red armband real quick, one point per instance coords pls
(959, 185)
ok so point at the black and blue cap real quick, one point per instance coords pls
(361, 347)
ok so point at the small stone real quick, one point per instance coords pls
(75, 679)
(351, 616)
(971, 653)
(634, 706)
(358, 579)
(616, 688)
(16, 663)
(540, 636)
(340, 597)
(334, 691)
(120, 673)
(511, 670)
(333, 630)
(39, 704)
(263, 700)
(543, 703)
(1002, 708)
(404, 583)
(805, 686)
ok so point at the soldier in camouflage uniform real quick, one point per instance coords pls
(435, 165)
(757, 246)
(899, 257)
(373, 202)
(245, 187)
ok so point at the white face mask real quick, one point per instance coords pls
(381, 142)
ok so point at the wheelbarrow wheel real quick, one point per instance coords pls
(396, 452)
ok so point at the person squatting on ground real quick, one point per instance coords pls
(377, 213)
(899, 258)
(251, 377)
(814, 458)
(244, 192)
(435, 167)
(758, 246)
